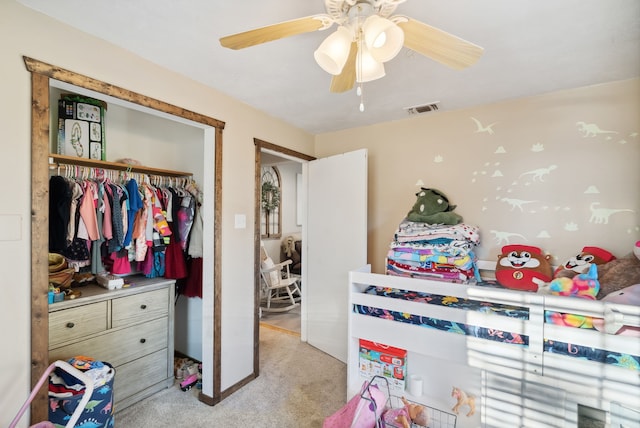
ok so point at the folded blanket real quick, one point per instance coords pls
(415, 231)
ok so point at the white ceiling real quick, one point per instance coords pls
(531, 47)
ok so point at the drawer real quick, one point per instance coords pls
(133, 377)
(75, 323)
(120, 346)
(139, 307)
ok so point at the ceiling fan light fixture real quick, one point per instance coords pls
(367, 67)
(332, 53)
(383, 37)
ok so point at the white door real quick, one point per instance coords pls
(335, 240)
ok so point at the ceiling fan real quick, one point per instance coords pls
(367, 36)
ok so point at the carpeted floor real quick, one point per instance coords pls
(298, 387)
(289, 320)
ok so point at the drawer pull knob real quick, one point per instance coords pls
(70, 325)
(143, 306)
(143, 340)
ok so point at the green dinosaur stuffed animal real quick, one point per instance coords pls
(432, 206)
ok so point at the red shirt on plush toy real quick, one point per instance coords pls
(522, 267)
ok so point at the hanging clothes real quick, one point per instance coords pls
(76, 197)
(176, 265)
(185, 219)
(60, 196)
(110, 226)
(135, 204)
(116, 199)
(87, 209)
(96, 248)
(193, 284)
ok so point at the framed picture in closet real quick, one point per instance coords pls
(81, 130)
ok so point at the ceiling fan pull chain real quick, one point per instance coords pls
(359, 91)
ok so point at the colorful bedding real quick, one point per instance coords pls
(593, 354)
(410, 231)
(434, 251)
(583, 352)
(444, 325)
(430, 270)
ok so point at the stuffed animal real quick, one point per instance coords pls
(619, 273)
(581, 262)
(523, 267)
(406, 416)
(463, 399)
(585, 285)
(432, 206)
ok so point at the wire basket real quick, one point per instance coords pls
(436, 418)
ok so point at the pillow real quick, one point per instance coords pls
(274, 275)
(627, 296)
(618, 274)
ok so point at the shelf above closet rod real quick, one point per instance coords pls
(93, 163)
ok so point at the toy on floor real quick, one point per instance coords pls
(411, 413)
(463, 399)
(189, 382)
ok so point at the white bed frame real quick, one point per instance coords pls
(516, 385)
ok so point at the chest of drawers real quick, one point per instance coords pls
(131, 328)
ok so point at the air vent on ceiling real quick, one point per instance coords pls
(425, 108)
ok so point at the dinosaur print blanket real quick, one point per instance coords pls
(582, 352)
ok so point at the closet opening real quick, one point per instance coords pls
(44, 77)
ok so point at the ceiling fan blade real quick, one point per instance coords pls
(345, 80)
(439, 45)
(275, 32)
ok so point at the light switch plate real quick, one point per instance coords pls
(241, 221)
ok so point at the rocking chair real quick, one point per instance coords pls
(280, 289)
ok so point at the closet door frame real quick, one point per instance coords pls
(41, 73)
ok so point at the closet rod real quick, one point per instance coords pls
(79, 171)
(60, 160)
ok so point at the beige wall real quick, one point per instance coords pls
(535, 177)
(24, 32)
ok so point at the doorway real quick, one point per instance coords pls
(289, 163)
(329, 217)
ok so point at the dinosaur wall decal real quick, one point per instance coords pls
(601, 215)
(591, 129)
